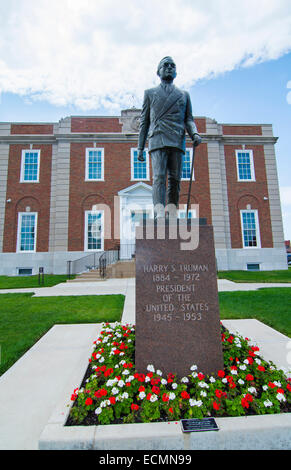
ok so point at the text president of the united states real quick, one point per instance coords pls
(166, 113)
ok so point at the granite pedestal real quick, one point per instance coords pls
(177, 311)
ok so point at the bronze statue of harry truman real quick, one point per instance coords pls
(166, 112)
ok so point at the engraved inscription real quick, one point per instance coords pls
(176, 289)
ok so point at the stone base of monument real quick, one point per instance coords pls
(177, 311)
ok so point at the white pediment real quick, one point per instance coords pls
(139, 189)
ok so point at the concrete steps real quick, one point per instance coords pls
(121, 269)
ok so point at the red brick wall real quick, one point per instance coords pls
(242, 193)
(241, 130)
(117, 175)
(32, 128)
(95, 124)
(200, 124)
(34, 195)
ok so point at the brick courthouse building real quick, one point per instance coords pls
(68, 188)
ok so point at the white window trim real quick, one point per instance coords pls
(86, 231)
(132, 150)
(20, 214)
(255, 211)
(191, 158)
(253, 177)
(23, 152)
(87, 164)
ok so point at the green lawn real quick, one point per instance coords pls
(271, 306)
(25, 319)
(17, 282)
(256, 276)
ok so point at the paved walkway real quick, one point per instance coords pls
(54, 366)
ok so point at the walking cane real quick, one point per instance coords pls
(191, 176)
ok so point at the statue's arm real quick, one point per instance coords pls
(144, 125)
(190, 124)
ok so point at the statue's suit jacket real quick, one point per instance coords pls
(164, 119)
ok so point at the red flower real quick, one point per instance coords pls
(155, 381)
(271, 385)
(249, 377)
(289, 387)
(165, 397)
(156, 390)
(221, 373)
(170, 378)
(134, 407)
(171, 410)
(149, 396)
(88, 401)
(141, 388)
(73, 397)
(261, 368)
(216, 405)
(280, 390)
(200, 376)
(185, 395)
(108, 372)
(128, 384)
(250, 360)
(245, 403)
(112, 400)
(249, 397)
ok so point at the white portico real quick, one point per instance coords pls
(135, 205)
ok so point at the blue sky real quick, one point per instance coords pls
(233, 57)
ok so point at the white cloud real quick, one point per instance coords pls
(289, 92)
(99, 53)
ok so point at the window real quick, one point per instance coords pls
(94, 231)
(245, 165)
(94, 164)
(24, 271)
(191, 213)
(26, 236)
(250, 229)
(187, 164)
(30, 166)
(253, 266)
(139, 170)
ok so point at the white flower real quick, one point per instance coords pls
(268, 403)
(159, 372)
(98, 411)
(172, 396)
(104, 403)
(194, 374)
(164, 382)
(265, 387)
(224, 380)
(193, 402)
(121, 383)
(233, 372)
(125, 395)
(194, 367)
(121, 354)
(185, 380)
(242, 367)
(245, 362)
(142, 395)
(212, 379)
(203, 393)
(241, 381)
(122, 362)
(114, 391)
(280, 397)
(125, 372)
(154, 397)
(203, 384)
(147, 379)
(174, 386)
(252, 390)
(258, 361)
(278, 384)
(150, 368)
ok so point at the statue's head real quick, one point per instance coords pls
(167, 69)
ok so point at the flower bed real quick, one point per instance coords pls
(112, 391)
